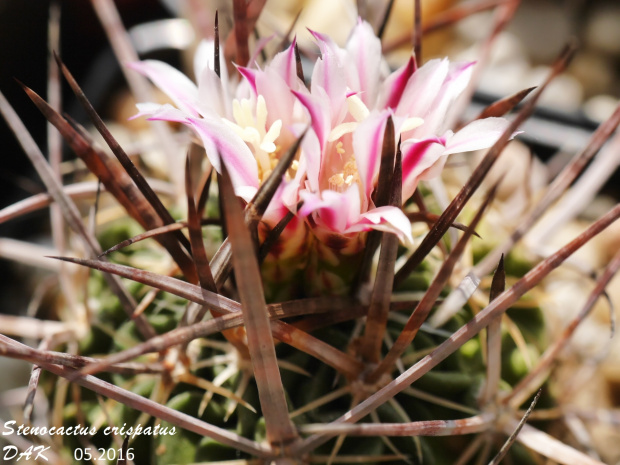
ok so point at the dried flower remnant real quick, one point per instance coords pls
(251, 119)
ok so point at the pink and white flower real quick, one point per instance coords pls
(251, 120)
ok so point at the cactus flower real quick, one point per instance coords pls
(250, 121)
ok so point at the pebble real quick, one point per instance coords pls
(475, 28)
(543, 27)
(507, 48)
(505, 79)
(602, 30)
(595, 71)
(600, 107)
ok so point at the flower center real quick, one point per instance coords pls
(253, 130)
(342, 180)
(359, 112)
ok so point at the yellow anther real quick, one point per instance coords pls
(336, 181)
(350, 168)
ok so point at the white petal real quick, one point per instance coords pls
(212, 94)
(146, 109)
(477, 135)
(172, 82)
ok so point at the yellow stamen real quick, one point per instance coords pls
(336, 182)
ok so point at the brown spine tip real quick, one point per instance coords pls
(216, 46)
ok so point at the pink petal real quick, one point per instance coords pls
(312, 202)
(326, 45)
(365, 50)
(172, 82)
(250, 77)
(335, 210)
(459, 74)
(146, 109)
(285, 65)
(367, 144)
(417, 156)
(329, 74)
(422, 89)
(325, 208)
(455, 83)
(280, 103)
(162, 113)
(387, 219)
(393, 87)
(220, 139)
(319, 114)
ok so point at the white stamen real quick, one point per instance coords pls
(261, 112)
(237, 112)
(274, 131)
(341, 130)
(268, 146)
(357, 108)
(411, 123)
(246, 114)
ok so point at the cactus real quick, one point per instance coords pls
(289, 296)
